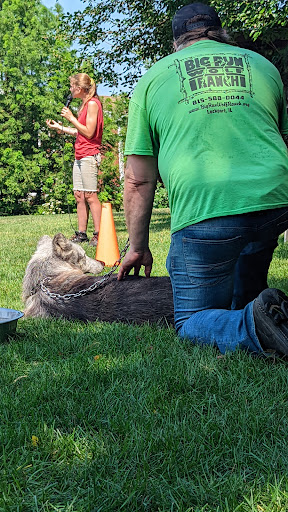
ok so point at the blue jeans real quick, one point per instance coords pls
(251, 272)
(212, 265)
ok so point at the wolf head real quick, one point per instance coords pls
(75, 255)
(56, 256)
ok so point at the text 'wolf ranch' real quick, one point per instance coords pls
(215, 71)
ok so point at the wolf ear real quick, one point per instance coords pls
(62, 247)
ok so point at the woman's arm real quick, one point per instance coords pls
(68, 130)
(53, 125)
(91, 119)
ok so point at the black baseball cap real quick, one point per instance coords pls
(181, 22)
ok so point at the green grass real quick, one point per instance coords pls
(108, 418)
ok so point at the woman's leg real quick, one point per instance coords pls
(82, 210)
(95, 207)
(89, 172)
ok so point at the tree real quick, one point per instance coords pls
(35, 62)
(135, 33)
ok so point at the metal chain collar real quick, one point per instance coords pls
(91, 288)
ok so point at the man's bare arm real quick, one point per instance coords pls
(139, 187)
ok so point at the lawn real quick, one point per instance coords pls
(108, 418)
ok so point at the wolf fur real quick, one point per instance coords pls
(63, 265)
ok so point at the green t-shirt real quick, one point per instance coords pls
(213, 115)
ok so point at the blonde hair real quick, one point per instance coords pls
(87, 83)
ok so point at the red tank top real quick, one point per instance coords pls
(83, 145)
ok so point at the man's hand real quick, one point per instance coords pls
(136, 260)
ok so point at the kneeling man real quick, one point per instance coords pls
(211, 119)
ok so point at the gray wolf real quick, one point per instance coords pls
(63, 266)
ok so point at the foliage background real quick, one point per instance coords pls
(36, 61)
(118, 41)
(134, 34)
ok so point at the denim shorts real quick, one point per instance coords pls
(85, 172)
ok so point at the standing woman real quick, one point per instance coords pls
(88, 129)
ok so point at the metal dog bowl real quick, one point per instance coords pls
(8, 322)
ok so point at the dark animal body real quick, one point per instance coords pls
(133, 300)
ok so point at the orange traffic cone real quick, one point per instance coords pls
(107, 247)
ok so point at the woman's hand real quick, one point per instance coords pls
(53, 125)
(65, 112)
